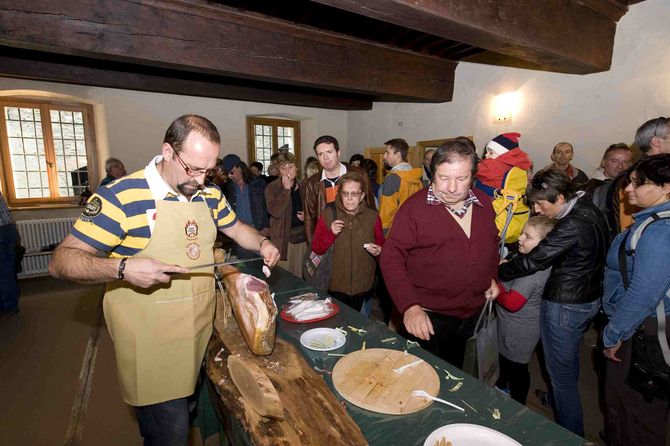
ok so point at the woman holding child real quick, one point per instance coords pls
(575, 250)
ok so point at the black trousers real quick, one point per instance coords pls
(451, 335)
(629, 418)
(516, 377)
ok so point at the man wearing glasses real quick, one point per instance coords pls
(153, 225)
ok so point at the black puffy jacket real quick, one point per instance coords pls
(575, 249)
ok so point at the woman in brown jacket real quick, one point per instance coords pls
(357, 235)
(284, 202)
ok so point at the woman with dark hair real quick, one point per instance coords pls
(371, 168)
(575, 249)
(637, 280)
(356, 232)
(356, 159)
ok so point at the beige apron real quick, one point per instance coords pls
(160, 334)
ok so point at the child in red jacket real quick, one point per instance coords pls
(503, 176)
(502, 153)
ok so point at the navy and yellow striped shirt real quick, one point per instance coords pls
(117, 218)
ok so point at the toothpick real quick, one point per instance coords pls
(470, 406)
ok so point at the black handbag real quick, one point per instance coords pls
(649, 372)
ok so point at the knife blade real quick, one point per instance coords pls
(210, 265)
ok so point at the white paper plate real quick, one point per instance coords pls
(464, 434)
(323, 339)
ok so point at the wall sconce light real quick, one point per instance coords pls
(504, 107)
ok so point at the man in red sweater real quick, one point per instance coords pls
(441, 260)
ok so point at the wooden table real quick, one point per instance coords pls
(480, 401)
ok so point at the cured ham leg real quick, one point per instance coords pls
(254, 309)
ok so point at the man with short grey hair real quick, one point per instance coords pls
(653, 137)
(616, 159)
(115, 170)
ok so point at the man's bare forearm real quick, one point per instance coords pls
(70, 262)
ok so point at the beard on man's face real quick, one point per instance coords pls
(189, 188)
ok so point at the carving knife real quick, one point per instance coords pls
(210, 265)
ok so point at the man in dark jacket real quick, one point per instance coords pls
(246, 195)
(575, 250)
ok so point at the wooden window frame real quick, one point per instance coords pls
(251, 136)
(45, 106)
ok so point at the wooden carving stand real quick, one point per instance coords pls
(312, 414)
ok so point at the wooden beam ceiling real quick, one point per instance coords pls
(567, 36)
(76, 70)
(342, 54)
(199, 37)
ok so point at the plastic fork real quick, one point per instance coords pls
(424, 394)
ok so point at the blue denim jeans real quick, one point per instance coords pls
(561, 329)
(9, 287)
(164, 424)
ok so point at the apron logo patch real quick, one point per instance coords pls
(92, 209)
(191, 229)
(193, 251)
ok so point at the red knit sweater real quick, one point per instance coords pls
(428, 260)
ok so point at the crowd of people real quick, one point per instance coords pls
(428, 240)
(434, 243)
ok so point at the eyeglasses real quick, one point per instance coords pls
(351, 194)
(190, 171)
(638, 182)
(537, 183)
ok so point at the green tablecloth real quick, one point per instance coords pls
(516, 421)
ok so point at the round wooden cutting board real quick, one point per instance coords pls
(366, 379)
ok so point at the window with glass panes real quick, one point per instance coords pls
(45, 151)
(268, 136)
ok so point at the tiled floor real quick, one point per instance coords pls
(50, 365)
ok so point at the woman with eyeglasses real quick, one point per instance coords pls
(635, 283)
(575, 250)
(357, 238)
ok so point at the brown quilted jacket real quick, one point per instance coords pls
(315, 199)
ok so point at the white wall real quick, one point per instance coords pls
(591, 111)
(130, 125)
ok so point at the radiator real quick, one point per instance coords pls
(38, 237)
